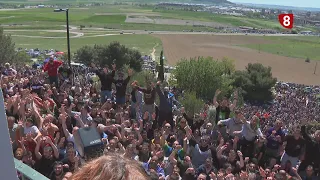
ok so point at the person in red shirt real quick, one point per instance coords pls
(52, 68)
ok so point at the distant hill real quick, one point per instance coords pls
(111, 1)
(281, 7)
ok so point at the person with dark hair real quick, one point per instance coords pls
(106, 79)
(121, 87)
(72, 159)
(312, 148)
(149, 96)
(224, 108)
(48, 156)
(52, 67)
(60, 171)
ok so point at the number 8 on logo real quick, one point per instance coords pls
(286, 20)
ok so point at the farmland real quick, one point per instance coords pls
(151, 30)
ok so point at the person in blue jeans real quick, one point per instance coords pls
(121, 87)
(106, 79)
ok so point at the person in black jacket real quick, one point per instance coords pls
(121, 87)
(312, 151)
(106, 80)
(165, 108)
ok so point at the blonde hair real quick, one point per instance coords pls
(111, 167)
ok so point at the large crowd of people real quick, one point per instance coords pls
(143, 139)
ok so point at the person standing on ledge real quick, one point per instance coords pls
(52, 67)
(106, 80)
(121, 87)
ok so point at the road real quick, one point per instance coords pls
(76, 33)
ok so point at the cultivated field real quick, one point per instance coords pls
(284, 68)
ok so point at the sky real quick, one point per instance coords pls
(295, 3)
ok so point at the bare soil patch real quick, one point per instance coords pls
(129, 14)
(181, 22)
(286, 69)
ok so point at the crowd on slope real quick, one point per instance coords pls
(45, 111)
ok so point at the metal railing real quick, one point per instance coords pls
(27, 173)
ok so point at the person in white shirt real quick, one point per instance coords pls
(250, 131)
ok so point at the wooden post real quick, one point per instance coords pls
(315, 68)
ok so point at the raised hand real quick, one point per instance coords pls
(20, 123)
(48, 140)
(182, 110)
(130, 72)
(217, 92)
(240, 154)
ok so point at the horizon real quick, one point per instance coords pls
(293, 3)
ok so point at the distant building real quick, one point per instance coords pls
(279, 11)
(272, 11)
(290, 12)
(263, 11)
(40, 6)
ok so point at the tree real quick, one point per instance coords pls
(7, 48)
(256, 82)
(161, 68)
(21, 58)
(105, 55)
(191, 103)
(204, 76)
(85, 54)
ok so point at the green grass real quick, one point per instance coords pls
(88, 16)
(37, 33)
(297, 47)
(112, 19)
(143, 43)
(224, 19)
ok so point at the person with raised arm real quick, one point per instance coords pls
(52, 67)
(121, 87)
(106, 79)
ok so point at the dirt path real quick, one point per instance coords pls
(153, 53)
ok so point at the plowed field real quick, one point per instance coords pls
(218, 46)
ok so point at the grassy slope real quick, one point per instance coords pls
(300, 47)
(143, 43)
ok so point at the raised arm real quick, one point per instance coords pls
(54, 147)
(304, 133)
(63, 118)
(36, 151)
(215, 102)
(158, 90)
(235, 100)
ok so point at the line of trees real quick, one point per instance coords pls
(202, 76)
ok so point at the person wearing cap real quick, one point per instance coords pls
(52, 67)
(121, 87)
(8, 71)
(106, 79)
